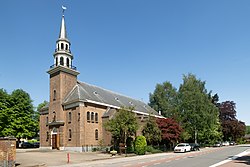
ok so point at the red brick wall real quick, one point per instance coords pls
(7, 152)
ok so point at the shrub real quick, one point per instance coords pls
(140, 145)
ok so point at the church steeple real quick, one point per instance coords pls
(63, 32)
(63, 55)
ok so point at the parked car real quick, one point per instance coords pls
(217, 144)
(36, 144)
(194, 146)
(182, 147)
(27, 145)
(225, 143)
(231, 143)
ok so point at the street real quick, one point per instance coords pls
(205, 158)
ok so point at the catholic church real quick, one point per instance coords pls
(73, 119)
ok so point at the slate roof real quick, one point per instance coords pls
(84, 92)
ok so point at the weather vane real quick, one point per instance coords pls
(63, 8)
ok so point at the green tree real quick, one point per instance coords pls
(4, 105)
(20, 122)
(140, 145)
(122, 125)
(164, 99)
(248, 129)
(151, 131)
(197, 111)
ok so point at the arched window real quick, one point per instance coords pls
(92, 116)
(56, 61)
(62, 46)
(67, 62)
(54, 95)
(69, 119)
(70, 134)
(88, 116)
(61, 61)
(96, 134)
(96, 117)
(66, 47)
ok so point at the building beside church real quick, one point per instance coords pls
(73, 119)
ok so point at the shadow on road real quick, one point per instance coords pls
(243, 160)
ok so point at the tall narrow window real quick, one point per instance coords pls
(96, 117)
(47, 136)
(69, 119)
(57, 46)
(54, 95)
(61, 61)
(54, 116)
(67, 62)
(96, 134)
(66, 47)
(47, 121)
(56, 61)
(62, 46)
(92, 116)
(70, 134)
(79, 116)
(88, 116)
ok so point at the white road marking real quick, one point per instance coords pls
(230, 159)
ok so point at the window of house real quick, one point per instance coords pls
(58, 46)
(70, 134)
(92, 116)
(66, 47)
(61, 61)
(67, 62)
(47, 121)
(88, 116)
(54, 95)
(79, 116)
(69, 118)
(96, 117)
(96, 134)
(56, 61)
(47, 136)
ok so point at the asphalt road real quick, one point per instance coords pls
(204, 158)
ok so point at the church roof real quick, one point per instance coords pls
(84, 92)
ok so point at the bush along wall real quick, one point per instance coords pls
(140, 145)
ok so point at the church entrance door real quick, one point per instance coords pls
(54, 141)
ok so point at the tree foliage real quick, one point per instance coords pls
(232, 128)
(17, 117)
(164, 99)
(196, 109)
(122, 125)
(170, 129)
(151, 131)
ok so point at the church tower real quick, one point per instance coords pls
(63, 77)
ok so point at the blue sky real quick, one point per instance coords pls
(130, 46)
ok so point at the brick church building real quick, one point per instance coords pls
(73, 119)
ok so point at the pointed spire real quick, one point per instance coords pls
(63, 32)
